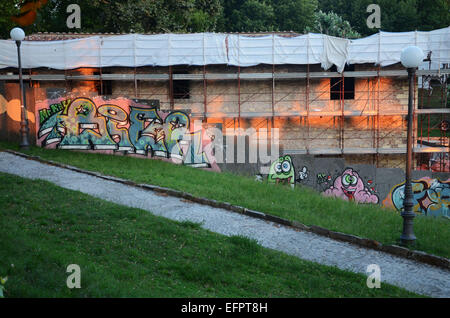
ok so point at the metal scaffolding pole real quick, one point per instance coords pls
(205, 98)
(171, 88)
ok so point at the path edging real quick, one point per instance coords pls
(396, 250)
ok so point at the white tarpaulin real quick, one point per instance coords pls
(335, 52)
(384, 48)
(135, 50)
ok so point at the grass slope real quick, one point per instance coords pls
(301, 204)
(125, 252)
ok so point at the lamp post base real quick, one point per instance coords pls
(24, 133)
(407, 242)
(408, 238)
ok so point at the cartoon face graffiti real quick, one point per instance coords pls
(349, 186)
(349, 182)
(282, 171)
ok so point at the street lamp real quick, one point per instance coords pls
(411, 57)
(17, 34)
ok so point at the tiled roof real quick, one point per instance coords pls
(57, 36)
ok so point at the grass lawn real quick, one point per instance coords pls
(126, 252)
(301, 204)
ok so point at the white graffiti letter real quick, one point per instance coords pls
(74, 20)
(374, 20)
(374, 279)
(74, 279)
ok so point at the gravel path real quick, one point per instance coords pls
(417, 277)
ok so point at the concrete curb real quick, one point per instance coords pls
(400, 251)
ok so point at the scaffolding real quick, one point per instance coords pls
(431, 138)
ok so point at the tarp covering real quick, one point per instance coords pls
(384, 48)
(135, 50)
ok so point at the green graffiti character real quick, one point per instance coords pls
(282, 170)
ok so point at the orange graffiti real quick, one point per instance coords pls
(28, 12)
(13, 110)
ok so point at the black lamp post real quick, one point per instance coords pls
(411, 58)
(17, 34)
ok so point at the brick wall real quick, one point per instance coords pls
(296, 132)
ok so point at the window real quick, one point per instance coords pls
(106, 88)
(181, 88)
(336, 85)
(103, 87)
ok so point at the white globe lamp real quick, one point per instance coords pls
(411, 57)
(17, 34)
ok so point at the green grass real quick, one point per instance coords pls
(126, 252)
(301, 204)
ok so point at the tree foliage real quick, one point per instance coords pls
(145, 16)
(332, 24)
(396, 16)
(7, 9)
(266, 15)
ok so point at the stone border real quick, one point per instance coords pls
(396, 250)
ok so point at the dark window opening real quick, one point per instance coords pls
(347, 87)
(181, 88)
(103, 87)
(106, 88)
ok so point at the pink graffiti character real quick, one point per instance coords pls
(349, 186)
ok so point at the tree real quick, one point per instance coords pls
(226, 15)
(8, 8)
(248, 16)
(266, 15)
(294, 15)
(120, 16)
(396, 16)
(434, 14)
(332, 24)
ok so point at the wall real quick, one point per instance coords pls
(123, 126)
(321, 132)
(10, 112)
(71, 115)
(334, 177)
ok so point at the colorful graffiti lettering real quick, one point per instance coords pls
(349, 186)
(282, 171)
(124, 126)
(431, 197)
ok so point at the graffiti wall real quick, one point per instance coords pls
(140, 128)
(431, 196)
(363, 184)
(125, 126)
(347, 185)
